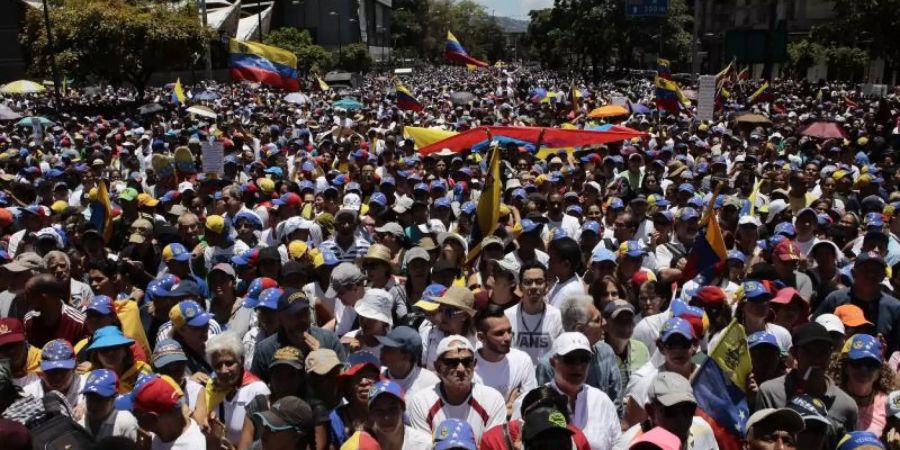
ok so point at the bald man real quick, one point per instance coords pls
(49, 316)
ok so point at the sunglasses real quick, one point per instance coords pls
(678, 344)
(455, 362)
(576, 359)
(865, 364)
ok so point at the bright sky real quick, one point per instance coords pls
(517, 9)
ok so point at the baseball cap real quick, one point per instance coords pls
(711, 295)
(602, 254)
(57, 354)
(569, 342)
(541, 420)
(851, 315)
(255, 289)
(288, 356)
(175, 252)
(787, 419)
(268, 298)
(225, 268)
(810, 332)
(631, 249)
(616, 307)
(359, 360)
(454, 434)
(755, 291)
(810, 408)
(361, 440)
(390, 228)
(863, 346)
(188, 313)
(293, 301)
(184, 288)
(103, 382)
(832, 323)
(108, 336)
(866, 257)
(676, 325)
(11, 331)
(321, 361)
(670, 388)
(787, 250)
(288, 413)
(749, 220)
(860, 440)
(101, 304)
(785, 229)
(453, 342)
(216, 224)
(402, 337)
(687, 213)
(429, 296)
(376, 305)
(660, 437)
(385, 387)
(458, 297)
(167, 351)
(24, 262)
(343, 276)
(762, 338)
(158, 396)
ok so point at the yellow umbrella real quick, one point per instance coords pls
(608, 111)
(22, 87)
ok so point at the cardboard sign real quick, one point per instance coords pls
(213, 157)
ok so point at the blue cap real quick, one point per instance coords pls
(687, 213)
(185, 288)
(167, 351)
(592, 226)
(632, 249)
(695, 201)
(754, 290)
(616, 203)
(385, 387)
(420, 187)
(231, 159)
(101, 304)
(378, 198)
(438, 184)
(244, 258)
(108, 336)
(686, 187)
(762, 338)
(57, 354)
(339, 180)
(666, 215)
(103, 382)
(602, 254)
(268, 298)
(454, 434)
(255, 289)
(737, 255)
(859, 439)
(275, 171)
(676, 325)
(388, 180)
(160, 286)
(519, 193)
(468, 208)
(862, 346)
(193, 314)
(308, 166)
(529, 225)
(874, 220)
(442, 202)
(307, 185)
(330, 258)
(353, 186)
(785, 229)
(175, 252)
(407, 338)
(363, 357)
(574, 210)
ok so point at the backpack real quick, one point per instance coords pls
(56, 430)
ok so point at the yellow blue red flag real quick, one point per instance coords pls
(454, 51)
(273, 66)
(178, 92)
(405, 99)
(762, 95)
(101, 211)
(708, 253)
(669, 96)
(488, 209)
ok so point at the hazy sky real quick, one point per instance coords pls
(517, 9)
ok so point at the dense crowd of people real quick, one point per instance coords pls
(325, 290)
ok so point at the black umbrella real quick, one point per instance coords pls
(622, 82)
(461, 98)
(150, 108)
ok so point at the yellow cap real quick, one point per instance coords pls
(838, 174)
(862, 141)
(146, 200)
(297, 249)
(58, 206)
(504, 210)
(266, 185)
(215, 223)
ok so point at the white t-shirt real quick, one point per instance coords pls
(568, 224)
(647, 330)
(485, 408)
(640, 381)
(191, 439)
(700, 436)
(35, 388)
(594, 413)
(192, 390)
(414, 439)
(212, 254)
(782, 336)
(514, 371)
(417, 379)
(235, 409)
(118, 423)
(534, 333)
(565, 289)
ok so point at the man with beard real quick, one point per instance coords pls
(506, 369)
(456, 396)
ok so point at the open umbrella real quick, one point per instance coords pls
(297, 98)
(608, 111)
(753, 119)
(6, 113)
(348, 103)
(150, 108)
(27, 121)
(461, 98)
(206, 96)
(637, 108)
(552, 137)
(202, 111)
(22, 87)
(824, 130)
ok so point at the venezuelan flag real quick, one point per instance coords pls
(322, 84)
(264, 64)
(101, 211)
(724, 75)
(178, 92)
(488, 209)
(668, 95)
(454, 51)
(708, 252)
(763, 94)
(719, 387)
(405, 99)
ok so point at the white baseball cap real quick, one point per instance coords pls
(375, 305)
(831, 322)
(569, 342)
(185, 186)
(454, 342)
(351, 202)
(748, 219)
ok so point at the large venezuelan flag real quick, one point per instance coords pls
(405, 99)
(101, 211)
(719, 387)
(264, 64)
(668, 95)
(454, 51)
(708, 252)
(488, 210)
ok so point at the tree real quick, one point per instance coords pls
(310, 57)
(866, 25)
(846, 63)
(115, 41)
(803, 55)
(355, 58)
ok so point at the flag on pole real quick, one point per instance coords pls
(724, 75)
(719, 387)
(744, 74)
(488, 210)
(405, 99)
(178, 92)
(101, 211)
(263, 64)
(708, 252)
(454, 51)
(762, 95)
(322, 84)
(669, 96)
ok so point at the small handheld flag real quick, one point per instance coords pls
(488, 209)
(322, 84)
(178, 93)
(405, 99)
(762, 95)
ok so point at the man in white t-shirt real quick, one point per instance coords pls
(348, 285)
(535, 324)
(386, 408)
(456, 396)
(160, 408)
(101, 418)
(506, 369)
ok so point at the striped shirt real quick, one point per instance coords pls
(484, 409)
(70, 327)
(357, 250)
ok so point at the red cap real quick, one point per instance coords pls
(787, 250)
(711, 295)
(11, 331)
(159, 396)
(786, 295)
(6, 217)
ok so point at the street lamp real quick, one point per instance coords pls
(340, 36)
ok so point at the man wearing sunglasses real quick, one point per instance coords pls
(672, 406)
(456, 396)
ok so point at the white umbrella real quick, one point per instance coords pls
(297, 97)
(202, 111)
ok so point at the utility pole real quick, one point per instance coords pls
(52, 58)
(208, 49)
(695, 44)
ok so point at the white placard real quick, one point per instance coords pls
(213, 157)
(620, 100)
(37, 130)
(706, 97)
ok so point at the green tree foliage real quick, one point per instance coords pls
(310, 57)
(422, 25)
(870, 26)
(114, 41)
(355, 58)
(802, 55)
(595, 33)
(846, 63)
